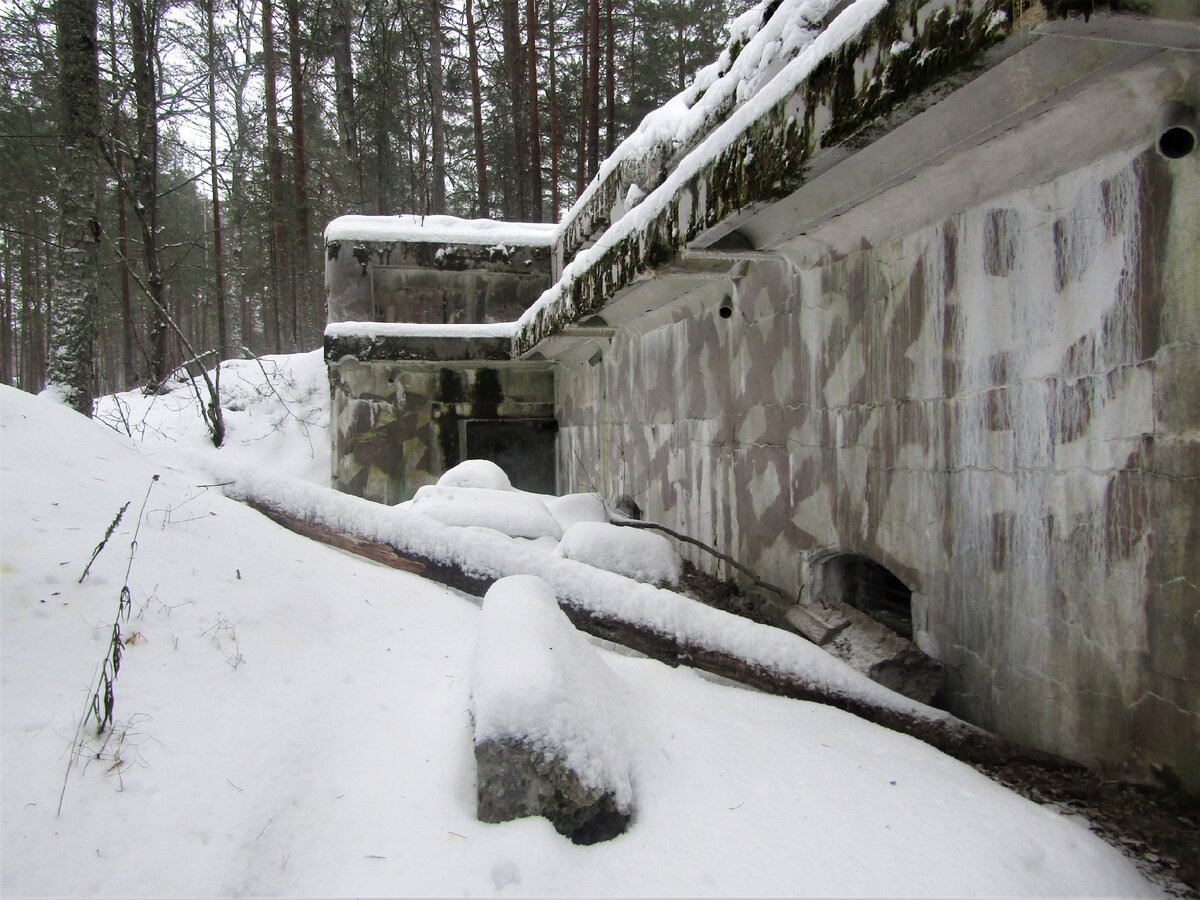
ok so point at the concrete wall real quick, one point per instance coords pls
(430, 282)
(399, 425)
(406, 408)
(1003, 409)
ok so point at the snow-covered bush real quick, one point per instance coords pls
(632, 552)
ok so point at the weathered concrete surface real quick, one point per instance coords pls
(1003, 408)
(408, 406)
(399, 425)
(936, 306)
(432, 282)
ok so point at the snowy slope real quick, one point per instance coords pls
(296, 723)
(276, 411)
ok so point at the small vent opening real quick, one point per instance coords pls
(870, 588)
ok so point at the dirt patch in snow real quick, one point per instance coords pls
(1157, 827)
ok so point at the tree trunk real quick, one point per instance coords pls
(275, 177)
(554, 193)
(610, 82)
(301, 270)
(593, 78)
(223, 348)
(481, 179)
(585, 105)
(383, 106)
(73, 328)
(343, 77)
(128, 362)
(6, 323)
(514, 67)
(28, 330)
(437, 111)
(145, 174)
(535, 138)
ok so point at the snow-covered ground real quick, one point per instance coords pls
(292, 720)
(276, 413)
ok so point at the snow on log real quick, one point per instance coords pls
(572, 508)
(476, 473)
(639, 555)
(659, 623)
(510, 512)
(548, 717)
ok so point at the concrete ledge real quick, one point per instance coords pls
(428, 348)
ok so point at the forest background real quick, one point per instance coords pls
(227, 133)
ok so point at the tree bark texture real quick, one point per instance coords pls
(437, 112)
(593, 78)
(302, 291)
(481, 174)
(610, 81)
(514, 66)
(73, 328)
(279, 238)
(218, 251)
(7, 349)
(347, 123)
(555, 201)
(128, 361)
(585, 105)
(535, 136)
(145, 173)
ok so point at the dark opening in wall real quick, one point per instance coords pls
(523, 448)
(870, 588)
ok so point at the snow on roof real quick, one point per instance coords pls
(813, 48)
(755, 50)
(440, 230)
(710, 124)
(754, 53)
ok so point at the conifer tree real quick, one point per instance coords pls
(73, 326)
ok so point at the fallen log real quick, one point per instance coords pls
(952, 736)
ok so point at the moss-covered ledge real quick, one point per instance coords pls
(846, 80)
(367, 345)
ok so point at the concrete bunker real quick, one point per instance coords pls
(411, 395)
(964, 343)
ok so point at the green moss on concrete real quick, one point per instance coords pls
(856, 85)
(366, 347)
(1061, 9)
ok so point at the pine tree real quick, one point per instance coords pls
(73, 327)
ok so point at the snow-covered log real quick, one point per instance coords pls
(550, 734)
(698, 643)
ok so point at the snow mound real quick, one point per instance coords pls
(476, 473)
(632, 552)
(510, 512)
(572, 508)
(276, 414)
(537, 680)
